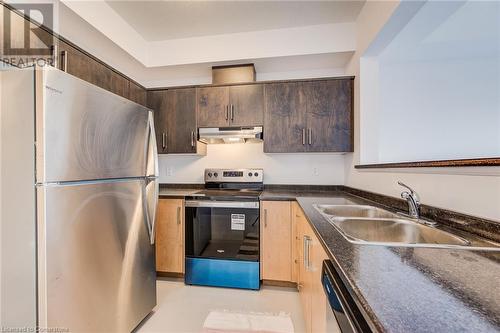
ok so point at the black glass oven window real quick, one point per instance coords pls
(224, 233)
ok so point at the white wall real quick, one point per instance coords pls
(317, 169)
(469, 190)
(437, 85)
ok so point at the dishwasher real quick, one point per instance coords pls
(342, 315)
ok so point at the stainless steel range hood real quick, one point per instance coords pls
(230, 134)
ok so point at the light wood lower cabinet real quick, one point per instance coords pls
(276, 241)
(305, 281)
(170, 236)
(310, 254)
(318, 297)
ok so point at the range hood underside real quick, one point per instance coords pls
(223, 135)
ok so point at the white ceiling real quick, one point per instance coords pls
(177, 42)
(164, 20)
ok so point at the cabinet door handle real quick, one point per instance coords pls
(310, 136)
(192, 138)
(265, 218)
(232, 112)
(64, 61)
(178, 215)
(303, 136)
(227, 112)
(307, 241)
(163, 140)
(304, 250)
(54, 54)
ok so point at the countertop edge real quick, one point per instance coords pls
(372, 321)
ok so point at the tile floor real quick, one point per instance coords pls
(184, 308)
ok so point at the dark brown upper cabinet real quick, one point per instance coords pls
(175, 121)
(63, 55)
(246, 103)
(329, 115)
(309, 116)
(118, 84)
(161, 102)
(137, 93)
(77, 63)
(284, 118)
(223, 106)
(213, 106)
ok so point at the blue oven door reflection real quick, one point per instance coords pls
(223, 273)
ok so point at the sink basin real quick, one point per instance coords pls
(364, 224)
(394, 231)
(362, 211)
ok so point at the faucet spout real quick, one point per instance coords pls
(412, 199)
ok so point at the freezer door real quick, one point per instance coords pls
(96, 264)
(85, 132)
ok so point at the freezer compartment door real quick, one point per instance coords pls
(85, 132)
(96, 264)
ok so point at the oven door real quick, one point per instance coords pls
(222, 230)
(222, 243)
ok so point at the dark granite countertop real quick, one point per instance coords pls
(290, 195)
(291, 192)
(176, 192)
(402, 289)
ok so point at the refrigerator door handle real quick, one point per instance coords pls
(151, 203)
(152, 149)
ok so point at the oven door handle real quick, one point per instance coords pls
(222, 204)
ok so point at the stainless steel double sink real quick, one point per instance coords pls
(363, 224)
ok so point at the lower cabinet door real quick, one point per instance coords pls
(318, 298)
(310, 256)
(276, 240)
(170, 236)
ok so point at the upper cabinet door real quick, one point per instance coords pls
(329, 115)
(162, 102)
(118, 83)
(76, 63)
(284, 118)
(137, 93)
(181, 122)
(246, 105)
(213, 105)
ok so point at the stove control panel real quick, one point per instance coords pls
(234, 175)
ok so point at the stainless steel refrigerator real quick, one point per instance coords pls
(79, 192)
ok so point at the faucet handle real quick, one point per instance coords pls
(412, 192)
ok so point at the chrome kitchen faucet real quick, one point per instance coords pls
(413, 201)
